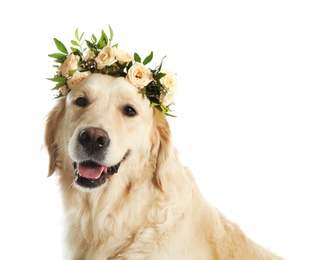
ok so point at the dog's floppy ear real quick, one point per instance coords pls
(50, 131)
(167, 163)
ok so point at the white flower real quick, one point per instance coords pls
(77, 77)
(169, 82)
(106, 57)
(123, 56)
(71, 63)
(139, 75)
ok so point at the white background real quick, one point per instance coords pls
(243, 109)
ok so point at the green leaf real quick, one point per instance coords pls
(110, 33)
(77, 34)
(84, 50)
(60, 46)
(94, 39)
(153, 104)
(61, 81)
(90, 45)
(103, 40)
(148, 58)
(75, 43)
(170, 115)
(129, 66)
(142, 91)
(160, 66)
(76, 52)
(73, 49)
(58, 79)
(159, 75)
(58, 55)
(81, 37)
(71, 72)
(59, 85)
(137, 57)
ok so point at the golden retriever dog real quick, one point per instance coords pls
(126, 194)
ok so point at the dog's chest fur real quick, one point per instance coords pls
(122, 225)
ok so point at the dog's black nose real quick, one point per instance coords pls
(93, 138)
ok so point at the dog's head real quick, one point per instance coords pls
(104, 126)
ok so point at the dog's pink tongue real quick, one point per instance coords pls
(93, 172)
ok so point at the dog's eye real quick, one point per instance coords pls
(81, 101)
(129, 111)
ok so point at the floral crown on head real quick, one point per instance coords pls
(100, 56)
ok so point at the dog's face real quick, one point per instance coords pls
(98, 128)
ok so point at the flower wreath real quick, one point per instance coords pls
(158, 84)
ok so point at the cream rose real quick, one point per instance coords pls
(77, 77)
(106, 57)
(71, 63)
(123, 57)
(90, 55)
(64, 90)
(139, 75)
(169, 82)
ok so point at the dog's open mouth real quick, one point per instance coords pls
(90, 174)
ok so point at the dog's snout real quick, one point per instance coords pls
(93, 138)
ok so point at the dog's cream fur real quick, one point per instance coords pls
(151, 208)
